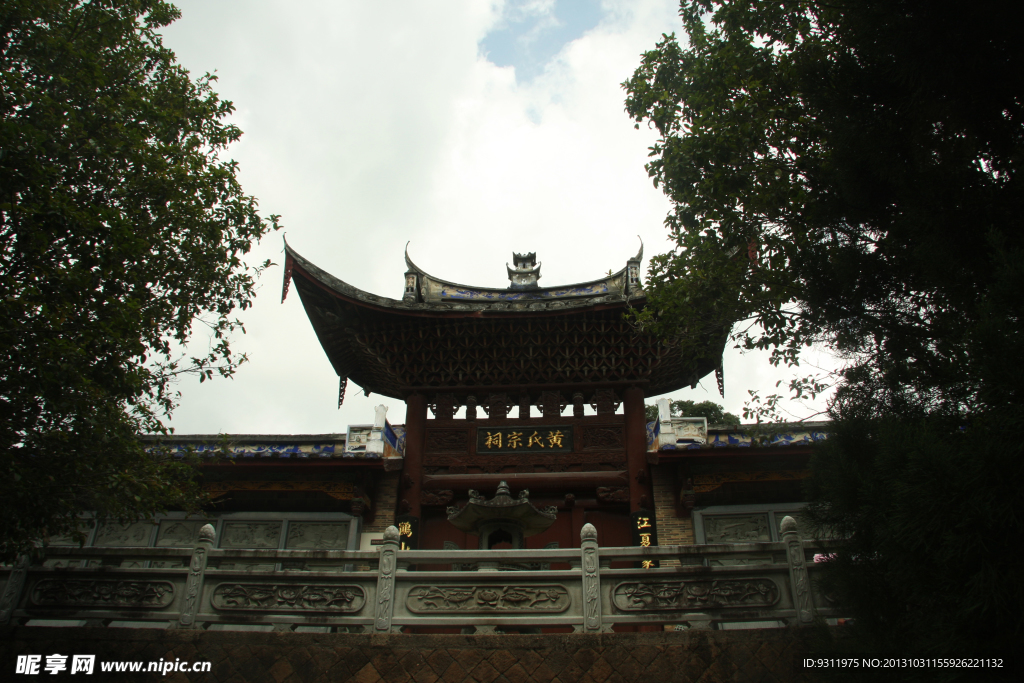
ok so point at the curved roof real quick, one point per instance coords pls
(435, 290)
(445, 337)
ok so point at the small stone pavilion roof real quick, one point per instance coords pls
(465, 340)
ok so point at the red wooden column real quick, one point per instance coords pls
(636, 448)
(415, 439)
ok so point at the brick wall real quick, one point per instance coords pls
(672, 530)
(385, 501)
(666, 657)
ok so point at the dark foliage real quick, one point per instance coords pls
(120, 228)
(849, 172)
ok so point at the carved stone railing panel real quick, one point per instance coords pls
(178, 533)
(695, 595)
(250, 535)
(270, 597)
(107, 593)
(712, 583)
(123, 536)
(489, 599)
(317, 535)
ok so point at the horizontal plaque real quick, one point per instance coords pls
(543, 599)
(524, 439)
(269, 597)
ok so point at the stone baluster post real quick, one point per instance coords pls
(12, 591)
(386, 569)
(591, 568)
(196, 571)
(799, 583)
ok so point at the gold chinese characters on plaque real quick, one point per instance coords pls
(524, 439)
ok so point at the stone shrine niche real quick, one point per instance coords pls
(737, 529)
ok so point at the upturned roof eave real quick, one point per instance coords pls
(556, 305)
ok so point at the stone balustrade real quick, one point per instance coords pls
(388, 590)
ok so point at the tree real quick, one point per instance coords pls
(714, 413)
(120, 229)
(848, 172)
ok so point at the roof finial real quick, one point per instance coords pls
(526, 271)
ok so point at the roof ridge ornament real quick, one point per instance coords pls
(526, 271)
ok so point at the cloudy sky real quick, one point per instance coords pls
(469, 128)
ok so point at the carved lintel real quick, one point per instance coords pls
(612, 494)
(635, 596)
(447, 441)
(393, 464)
(487, 599)
(602, 438)
(437, 497)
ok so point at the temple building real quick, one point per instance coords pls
(524, 362)
(497, 448)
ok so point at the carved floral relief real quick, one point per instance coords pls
(103, 593)
(689, 595)
(290, 597)
(548, 598)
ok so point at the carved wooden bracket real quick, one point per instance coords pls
(437, 497)
(577, 404)
(605, 402)
(551, 404)
(612, 494)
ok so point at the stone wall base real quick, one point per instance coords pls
(238, 657)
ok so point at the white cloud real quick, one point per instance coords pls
(371, 124)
